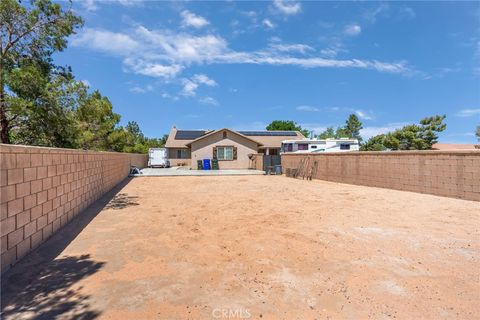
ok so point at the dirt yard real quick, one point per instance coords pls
(255, 247)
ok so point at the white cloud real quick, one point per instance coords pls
(329, 52)
(138, 89)
(191, 85)
(442, 72)
(287, 7)
(192, 20)
(282, 47)
(92, 5)
(314, 62)
(167, 95)
(129, 3)
(89, 5)
(372, 14)
(307, 108)
(250, 14)
(164, 53)
(407, 13)
(369, 132)
(203, 79)
(363, 115)
(151, 69)
(386, 11)
(468, 113)
(106, 41)
(184, 47)
(352, 30)
(360, 113)
(268, 24)
(209, 100)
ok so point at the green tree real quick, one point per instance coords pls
(29, 37)
(43, 112)
(95, 121)
(341, 132)
(131, 139)
(352, 128)
(328, 133)
(416, 137)
(287, 125)
(429, 129)
(117, 140)
(375, 143)
(160, 142)
(477, 134)
(43, 104)
(136, 142)
(411, 137)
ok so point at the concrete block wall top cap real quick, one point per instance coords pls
(16, 148)
(390, 153)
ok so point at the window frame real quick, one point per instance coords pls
(302, 146)
(287, 147)
(225, 153)
(182, 154)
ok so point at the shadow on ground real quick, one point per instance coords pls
(122, 201)
(50, 294)
(42, 285)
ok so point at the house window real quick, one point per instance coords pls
(344, 146)
(302, 146)
(287, 147)
(182, 154)
(313, 147)
(225, 153)
(224, 134)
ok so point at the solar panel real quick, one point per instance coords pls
(269, 133)
(189, 134)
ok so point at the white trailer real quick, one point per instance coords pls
(158, 157)
(319, 145)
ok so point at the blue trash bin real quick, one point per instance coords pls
(206, 164)
(278, 169)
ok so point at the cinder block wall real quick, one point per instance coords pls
(42, 189)
(450, 173)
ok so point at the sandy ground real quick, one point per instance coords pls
(255, 247)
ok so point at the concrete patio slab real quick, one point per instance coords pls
(251, 247)
(183, 171)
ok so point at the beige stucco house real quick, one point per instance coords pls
(232, 149)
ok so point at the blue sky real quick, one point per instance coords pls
(204, 65)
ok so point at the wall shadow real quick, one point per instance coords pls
(41, 286)
(48, 293)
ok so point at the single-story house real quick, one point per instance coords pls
(231, 148)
